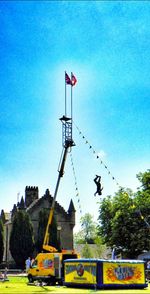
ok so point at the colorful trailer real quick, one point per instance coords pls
(102, 273)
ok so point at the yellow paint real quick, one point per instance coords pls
(80, 272)
(43, 265)
(123, 273)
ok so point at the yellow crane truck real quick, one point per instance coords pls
(48, 266)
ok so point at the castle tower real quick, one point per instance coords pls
(31, 194)
(71, 213)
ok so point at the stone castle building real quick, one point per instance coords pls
(33, 205)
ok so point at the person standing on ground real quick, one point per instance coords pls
(28, 263)
(5, 274)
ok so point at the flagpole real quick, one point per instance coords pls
(71, 104)
(65, 96)
(71, 96)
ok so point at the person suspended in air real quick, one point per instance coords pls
(97, 181)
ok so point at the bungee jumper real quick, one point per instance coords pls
(97, 181)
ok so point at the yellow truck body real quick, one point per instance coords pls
(49, 267)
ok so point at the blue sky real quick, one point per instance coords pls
(106, 44)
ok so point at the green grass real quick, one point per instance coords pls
(20, 285)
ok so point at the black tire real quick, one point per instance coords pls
(60, 283)
(51, 281)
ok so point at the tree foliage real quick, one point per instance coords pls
(100, 247)
(21, 238)
(43, 219)
(88, 232)
(86, 251)
(88, 228)
(124, 219)
(2, 216)
(144, 178)
(1, 241)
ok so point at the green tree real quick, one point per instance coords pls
(144, 178)
(86, 251)
(2, 216)
(21, 238)
(79, 238)
(88, 233)
(100, 247)
(88, 228)
(1, 241)
(105, 218)
(123, 220)
(43, 219)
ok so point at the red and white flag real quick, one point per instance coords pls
(67, 79)
(73, 80)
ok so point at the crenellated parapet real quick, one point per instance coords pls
(31, 194)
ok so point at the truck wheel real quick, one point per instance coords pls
(61, 282)
(30, 278)
(51, 282)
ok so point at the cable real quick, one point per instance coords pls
(75, 182)
(97, 156)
